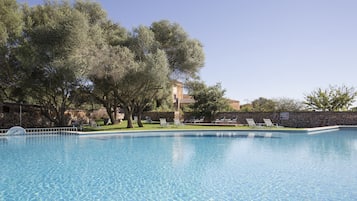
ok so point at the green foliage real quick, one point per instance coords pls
(54, 32)
(185, 55)
(114, 34)
(54, 37)
(92, 11)
(288, 105)
(333, 98)
(272, 105)
(209, 100)
(10, 29)
(150, 80)
(110, 68)
(69, 54)
(246, 108)
(10, 20)
(263, 105)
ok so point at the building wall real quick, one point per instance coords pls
(177, 94)
(234, 104)
(180, 99)
(177, 90)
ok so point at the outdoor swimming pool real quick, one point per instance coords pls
(231, 166)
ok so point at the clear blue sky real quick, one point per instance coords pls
(260, 48)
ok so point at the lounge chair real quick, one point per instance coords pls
(190, 120)
(251, 123)
(233, 120)
(220, 120)
(200, 120)
(148, 120)
(163, 122)
(135, 120)
(177, 122)
(269, 123)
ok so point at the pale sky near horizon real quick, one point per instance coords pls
(259, 48)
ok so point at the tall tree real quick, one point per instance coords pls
(153, 82)
(209, 100)
(185, 55)
(55, 35)
(334, 98)
(109, 68)
(100, 55)
(150, 79)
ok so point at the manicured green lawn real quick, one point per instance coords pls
(122, 127)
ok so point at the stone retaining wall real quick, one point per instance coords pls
(293, 119)
(155, 116)
(31, 117)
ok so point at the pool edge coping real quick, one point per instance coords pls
(308, 131)
(305, 130)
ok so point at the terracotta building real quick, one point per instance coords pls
(180, 99)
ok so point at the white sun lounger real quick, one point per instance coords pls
(251, 123)
(269, 123)
(163, 122)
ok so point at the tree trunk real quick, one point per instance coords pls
(61, 115)
(129, 116)
(140, 114)
(108, 108)
(115, 110)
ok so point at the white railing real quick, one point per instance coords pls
(45, 131)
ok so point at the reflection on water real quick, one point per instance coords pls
(182, 152)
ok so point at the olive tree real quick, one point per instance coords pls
(149, 80)
(108, 68)
(334, 98)
(54, 37)
(184, 54)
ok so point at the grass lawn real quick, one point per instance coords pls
(156, 126)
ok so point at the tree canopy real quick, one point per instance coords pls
(273, 105)
(10, 30)
(53, 53)
(263, 105)
(11, 22)
(54, 37)
(334, 98)
(185, 55)
(209, 100)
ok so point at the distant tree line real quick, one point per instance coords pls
(62, 54)
(334, 98)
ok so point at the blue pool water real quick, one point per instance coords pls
(192, 167)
